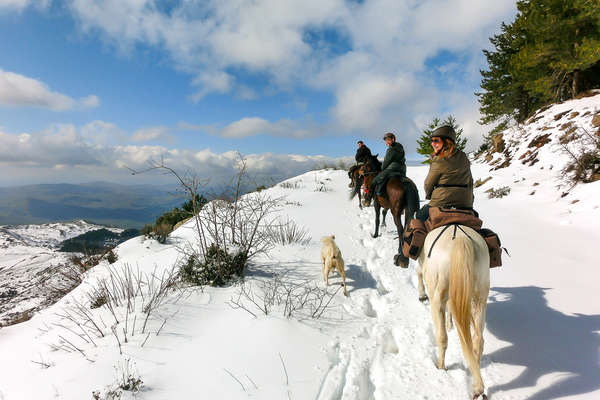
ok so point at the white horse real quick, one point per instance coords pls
(457, 273)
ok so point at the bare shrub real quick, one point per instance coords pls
(161, 232)
(127, 379)
(131, 298)
(584, 152)
(291, 185)
(233, 223)
(498, 193)
(481, 182)
(217, 268)
(304, 299)
(111, 257)
(289, 232)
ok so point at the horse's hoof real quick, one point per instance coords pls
(401, 261)
(374, 236)
(423, 298)
(483, 396)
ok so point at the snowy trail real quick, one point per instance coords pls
(376, 344)
(391, 354)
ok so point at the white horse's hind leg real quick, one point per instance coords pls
(479, 309)
(438, 311)
(449, 324)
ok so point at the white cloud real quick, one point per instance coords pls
(102, 133)
(59, 144)
(252, 126)
(387, 42)
(151, 133)
(90, 101)
(21, 4)
(66, 152)
(19, 90)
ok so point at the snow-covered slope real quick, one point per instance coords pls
(532, 159)
(543, 318)
(30, 265)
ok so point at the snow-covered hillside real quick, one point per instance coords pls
(30, 265)
(543, 319)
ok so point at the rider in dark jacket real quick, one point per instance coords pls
(394, 164)
(363, 155)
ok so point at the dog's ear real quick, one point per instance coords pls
(333, 236)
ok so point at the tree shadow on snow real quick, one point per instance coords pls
(544, 341)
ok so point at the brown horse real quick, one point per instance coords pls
(402, 196)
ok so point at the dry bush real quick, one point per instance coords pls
(217, 268)
(235, 224)
(481, 182)
(289, 232)
(291, 185)
(303, 299)
(111, 257)
(498, 193)
(583, 149)
(124, 295)
(127, 379)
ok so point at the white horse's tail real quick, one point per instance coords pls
(462, 261)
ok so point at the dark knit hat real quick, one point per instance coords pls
(445, 131)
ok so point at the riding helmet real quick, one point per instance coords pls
(445, 131)
(389, 135)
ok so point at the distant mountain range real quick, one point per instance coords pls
(101, 202)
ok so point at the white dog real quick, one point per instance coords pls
(331, 256)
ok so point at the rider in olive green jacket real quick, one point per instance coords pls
(449, 182)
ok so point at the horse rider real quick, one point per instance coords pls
(394, 164)
(363, 155)
(449, 182)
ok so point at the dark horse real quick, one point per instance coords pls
(357, 182)
(357, 179)
(402, 196)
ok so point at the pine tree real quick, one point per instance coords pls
(503, 97)
(424, 141)
(562, 42)
(551, 52)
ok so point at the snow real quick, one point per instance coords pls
(30, 263)
(543, 320)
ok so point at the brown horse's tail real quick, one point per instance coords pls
(411, 194)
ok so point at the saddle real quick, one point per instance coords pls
(414, 235)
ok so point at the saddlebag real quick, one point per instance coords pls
(494, 247)
(440, 216)
(413, 238)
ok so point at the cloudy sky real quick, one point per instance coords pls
(90, 86)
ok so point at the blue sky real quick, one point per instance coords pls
(90, 86)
